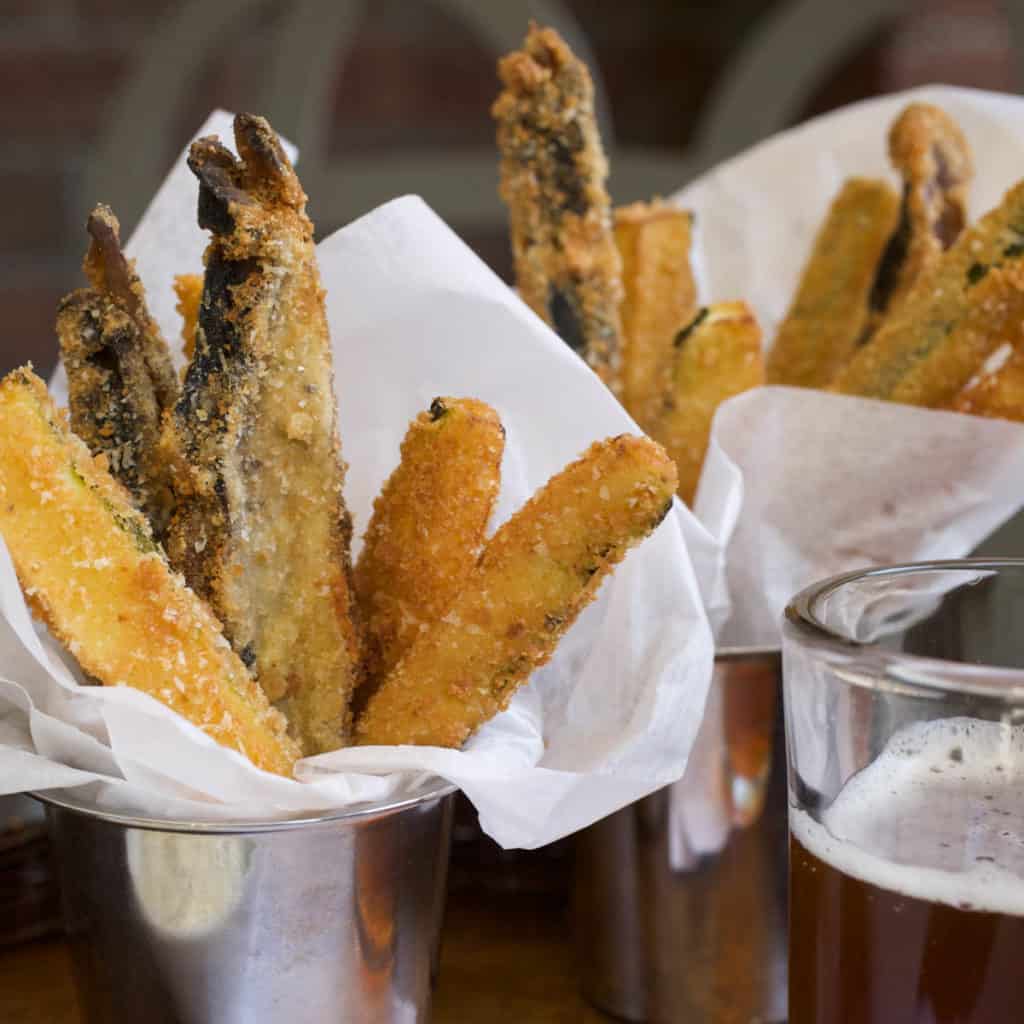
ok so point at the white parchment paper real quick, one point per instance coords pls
(800, 484)
(413, 314)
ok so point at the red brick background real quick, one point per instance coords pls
(413, 76)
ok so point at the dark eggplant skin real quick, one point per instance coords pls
(121, 380)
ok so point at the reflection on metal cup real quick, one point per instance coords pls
(680, 898)
(324, 920)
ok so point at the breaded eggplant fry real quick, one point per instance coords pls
(428, 527)
(830, 311)
(553, 173)
(120, 377)
(111, 273)
(261, 530)
(931, 154)
(998, 394)
(932, 339)
(541, 568)
(92, 572)
(189, 290)
(717, 356)
(660, 297)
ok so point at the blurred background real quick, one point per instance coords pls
(393, 96)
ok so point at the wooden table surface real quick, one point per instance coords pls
(505, 956)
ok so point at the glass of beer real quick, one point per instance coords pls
(904, 694)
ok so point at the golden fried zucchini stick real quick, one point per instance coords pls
(189, 290)
(831, 309)
(553, 173)
(261, 529)
(428, 526)
(993, 316)
(92, 572)
(930, 346)
(120, 376)
(997, 394)
(717, 356)
(541, 568)
(660, 297)
(931, 154)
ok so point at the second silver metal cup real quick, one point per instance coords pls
(680, 902)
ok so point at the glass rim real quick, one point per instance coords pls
(911, 673)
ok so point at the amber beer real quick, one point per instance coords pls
(907, 898)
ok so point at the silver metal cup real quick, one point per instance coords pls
(319, 921)
(680, 898)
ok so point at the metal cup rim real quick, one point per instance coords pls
(436, 788)
(432, 788)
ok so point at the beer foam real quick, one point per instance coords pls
(938, 816)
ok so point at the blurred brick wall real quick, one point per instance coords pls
(414, 75)
(59, 64)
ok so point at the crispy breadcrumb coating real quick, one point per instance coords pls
(931, 154)
(997, 393)
(92, 572)
(120, 376)
(261, 530)
(553, 173)
(718, 355)
(993, 316)
(929, 347)
(189, 290)
(660, 298)
(831, 309)
(541, 568)
(428, 526)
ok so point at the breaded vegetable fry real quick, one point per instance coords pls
(120, 377)
(717, 356)
(830, 311)
(660, 297)
(536, 574)
(261, 530)
(998, 394)
(993, 315)
(428, 526)
(928, 149)
(91, 570)
(553, 173)
(189, 290)
(930, 346)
